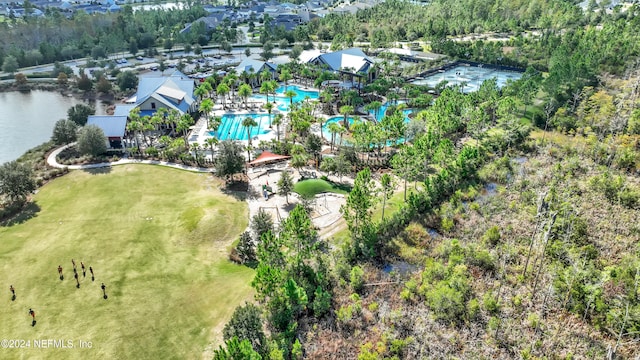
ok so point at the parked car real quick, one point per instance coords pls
(139, 57)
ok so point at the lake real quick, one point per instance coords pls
(27, 119)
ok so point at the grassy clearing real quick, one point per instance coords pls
(312, 187)
(157, 237)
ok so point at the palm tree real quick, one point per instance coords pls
(334, 128)
(265, 75)
(285, 76)
(184, 124)
(326, 96)
(211, 142)
(341, 132)
(266, 88)
(147, 127)
(135, 126)
(231, 79)
(346, 110)
(199, 92)
(205, 108)
(375, 107)
(248, 123)
(273, 87)
(202, 90)
(277, 121)
(269, 107)
(223, 90)
(214, 123)
(299, 157)
(290, 94)
(245, 91)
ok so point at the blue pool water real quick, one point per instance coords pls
(383, 110)
(283, 102)
(231, 127)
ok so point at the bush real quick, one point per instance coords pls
(491, 236)
(152, 151)
(482, 259)
(490, 303)
(473, 309)
(447, 224)
(446, 302)
(357, 278)
(533, 320)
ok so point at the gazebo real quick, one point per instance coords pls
(267, 158)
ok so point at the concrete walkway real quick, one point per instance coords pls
(51, 160)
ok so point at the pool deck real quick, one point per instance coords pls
(200, 132)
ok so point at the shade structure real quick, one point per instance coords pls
(267, 158)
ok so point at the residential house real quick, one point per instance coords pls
(211, 22)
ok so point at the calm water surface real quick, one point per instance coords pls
(27, 119)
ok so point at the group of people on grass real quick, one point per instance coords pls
(32, 313)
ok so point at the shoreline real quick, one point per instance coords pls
(66, 91)
(102, 104)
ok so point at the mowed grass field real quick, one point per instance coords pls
(157, 237)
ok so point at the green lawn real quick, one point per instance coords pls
(311, 187)
(157, 237)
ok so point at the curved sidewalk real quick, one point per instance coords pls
(51, 160)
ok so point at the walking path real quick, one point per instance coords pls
(326, 207)
(51, 160)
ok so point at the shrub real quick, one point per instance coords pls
(446, 302)
(152, 151)
(473, 309)
(344, 314)
(490, 303)
(494, 322)
(491, 236)
(447, 224)
(357, 278)
(373, 307)
(482, 259)
(533, 320)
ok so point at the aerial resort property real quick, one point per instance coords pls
(320, 180)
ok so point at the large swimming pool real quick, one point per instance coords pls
(283, 102)
(231, 127)
(471, 76)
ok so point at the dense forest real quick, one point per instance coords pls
(518, 237)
